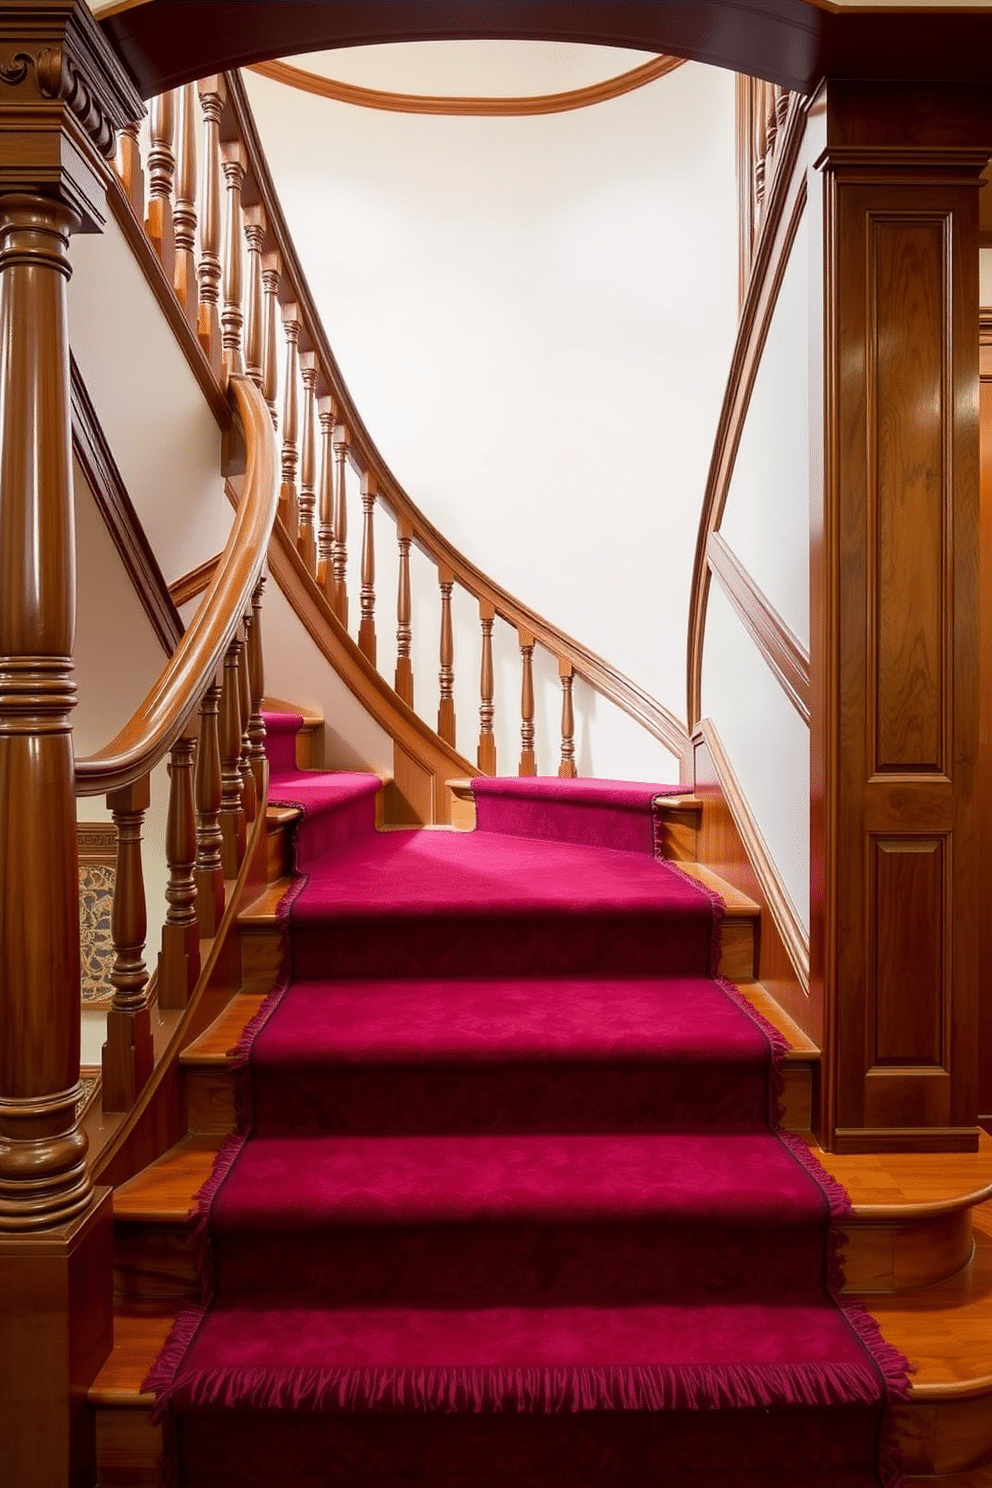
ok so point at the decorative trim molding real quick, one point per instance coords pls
(192, 584)
(777, 233)
(416, 103)
(784, 653)
(790, 928)
(107, 485)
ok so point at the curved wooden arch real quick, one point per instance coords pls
(791, 42)
(456, 107)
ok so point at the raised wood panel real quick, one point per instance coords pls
(985, 741)
(908, 880)
(909, 445)
(894, 614)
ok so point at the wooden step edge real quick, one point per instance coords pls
(264, 910)
(928, 1184)
(669, 805)
(802, 1049)
(165, 1192)
(312, 717)
(278, 816)
(737, 906)
(212, 1047)
(138, 1341)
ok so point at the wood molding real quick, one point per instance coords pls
(461, 107)
(365, 458)
(749, 866)
(784, 653)
(177, 692)
(784, 212)
(160, 285)
(104, 479)
(192, 584)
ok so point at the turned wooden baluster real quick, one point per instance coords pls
(232, 816)
(256, 679)
(325, 523)
(527, 763)
(254, 299)
(161, 173)
(271, 277)
(486, 757)
(567, 674)
(288, 498)
(446, 675)
(232, 318)
(184, 214)
(212, 95)
(404, 634)
(129, 169)
(342, 439)
(248, 799)
(127, 1055)
(209, 837)
(179, 962)
(366, 630)
(306, 540)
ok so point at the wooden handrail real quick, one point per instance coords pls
(174, 697)
(365, 458)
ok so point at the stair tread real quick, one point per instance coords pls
(801, 1046)
(895, 1184)
(138, 1341)
(264, 909)
(215, 1043)
(736, 903)
(310, 1182)
(165, 1191)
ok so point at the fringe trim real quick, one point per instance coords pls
(161, 1378)
(485, 1390)
(202, 1240)
(893, 1366)
(834, 1192)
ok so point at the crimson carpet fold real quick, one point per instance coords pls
(510, 1204)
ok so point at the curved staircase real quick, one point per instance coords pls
(437, 1089)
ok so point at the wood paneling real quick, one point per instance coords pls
(894, 606)
(985, 738)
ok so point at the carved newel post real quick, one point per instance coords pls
(62, 94)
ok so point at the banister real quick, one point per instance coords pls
(364, 457)
(176, 694)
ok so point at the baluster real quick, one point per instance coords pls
(254, 303)
(527, 643)
(446, 676)
(325, 526)
(256, 678)
(759, 143)
(232, 817)
(366, 630)
(212, 96)
(179, 962)
(782, 96)
(248, 799)
(128, 1054)
(271, 277)
(209, 838)
(340, 540)
(567, 674)
(161, 171)
(288, 500)
(232, 316)
(184, 215)
(404, 634)
(306, 540)
(129, 170)
(487, 740)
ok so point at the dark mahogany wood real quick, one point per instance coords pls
(895, 602)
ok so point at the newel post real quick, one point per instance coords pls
(62, 96)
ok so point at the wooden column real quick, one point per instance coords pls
(896, 870)
(179, 962)
(306, 538)
(486, 757)
(255, 315)
(342, 440)
(209, 838)
(127, 1054)
(233, 159)
(446, 675)
(249, 802)
(366, 629)
(288, 498)
(184, 213)
(129, 168)
(566, 769)
(256, 678)
(404, 633)
(527, 642)
(232, 816)
(63, 95)
(271, 276)
(161, 174)
(212, 96)
(325, 500)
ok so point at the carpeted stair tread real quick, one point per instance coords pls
(654, 1020)
(606, 813)
(746, 1179)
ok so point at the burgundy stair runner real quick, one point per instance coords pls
(509, 1208)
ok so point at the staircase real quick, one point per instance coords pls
(909, 1241)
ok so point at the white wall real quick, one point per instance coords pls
(535, 317)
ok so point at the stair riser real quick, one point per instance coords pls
(154, 1266)
(896, 1257)
(129, 1449)
(210, 1101)
(522, 1264)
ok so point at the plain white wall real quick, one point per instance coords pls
(535, 317)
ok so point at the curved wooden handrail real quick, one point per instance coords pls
(364, 456)
(778, 230)
(176, 694)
